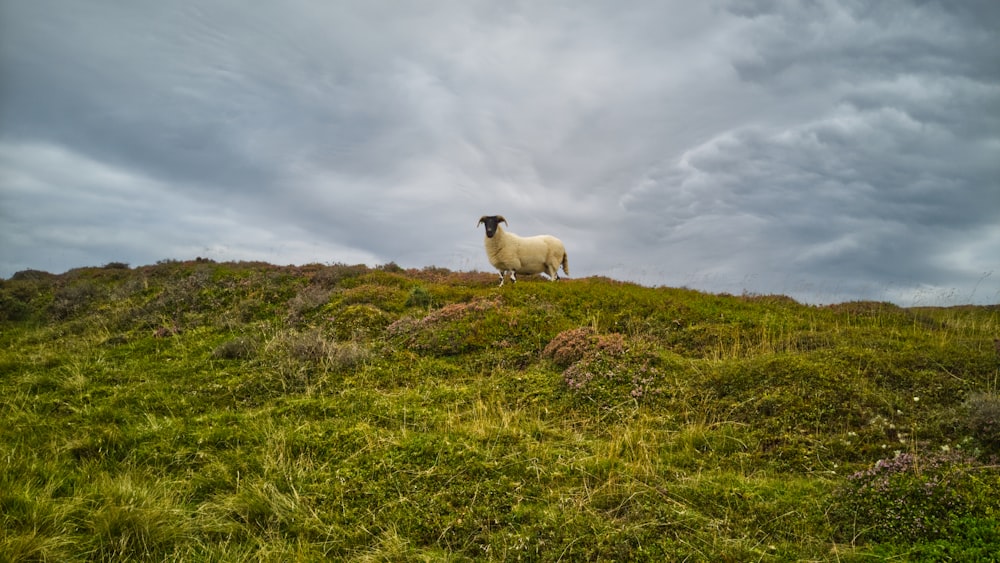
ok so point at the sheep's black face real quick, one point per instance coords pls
(491, 226)
(491, 222)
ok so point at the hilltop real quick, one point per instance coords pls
(244, 411)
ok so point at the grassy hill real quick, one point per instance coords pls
(244, 412)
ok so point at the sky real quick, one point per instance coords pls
(827, 150)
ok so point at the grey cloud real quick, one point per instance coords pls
(828, 42)
(860, 193)
(892, 177)
(844, 144)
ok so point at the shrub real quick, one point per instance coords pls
(313, 347)
(347, 356)
(419, 297)
(452, 329)
(331, 276)
(573, 345)
(871, 309)
(569, 346)
(605, 381)
(984, 420)
(33, 275)
(73, 299)
(358, 321)
(26, 295)
(238, 349)
(914, 498)
(308, 346)
(604, 370)
(382, 296)
(305, 301)
(12, 308)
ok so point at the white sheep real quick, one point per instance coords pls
(522, 255)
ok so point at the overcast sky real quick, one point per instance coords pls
(825, 150)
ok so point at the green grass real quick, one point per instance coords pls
(247, 412)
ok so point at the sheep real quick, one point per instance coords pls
(522, 255)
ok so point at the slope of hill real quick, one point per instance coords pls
(244, 411)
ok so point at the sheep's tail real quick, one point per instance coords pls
(565, 263)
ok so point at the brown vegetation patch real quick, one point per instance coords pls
(573, 345)
(770, 299)
(448, 313)
(865, 308)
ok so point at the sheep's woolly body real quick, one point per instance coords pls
(509, 252)
(526, 255)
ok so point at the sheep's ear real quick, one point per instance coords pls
(500, 219)
(481, 220)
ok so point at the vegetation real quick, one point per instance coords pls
(244, 411)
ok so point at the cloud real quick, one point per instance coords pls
(830, 150)
(111, 215)
(866, 192)
(884, 186)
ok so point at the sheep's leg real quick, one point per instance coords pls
(513, 276)
(502, 273)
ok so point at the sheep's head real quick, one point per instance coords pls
(492, 222)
